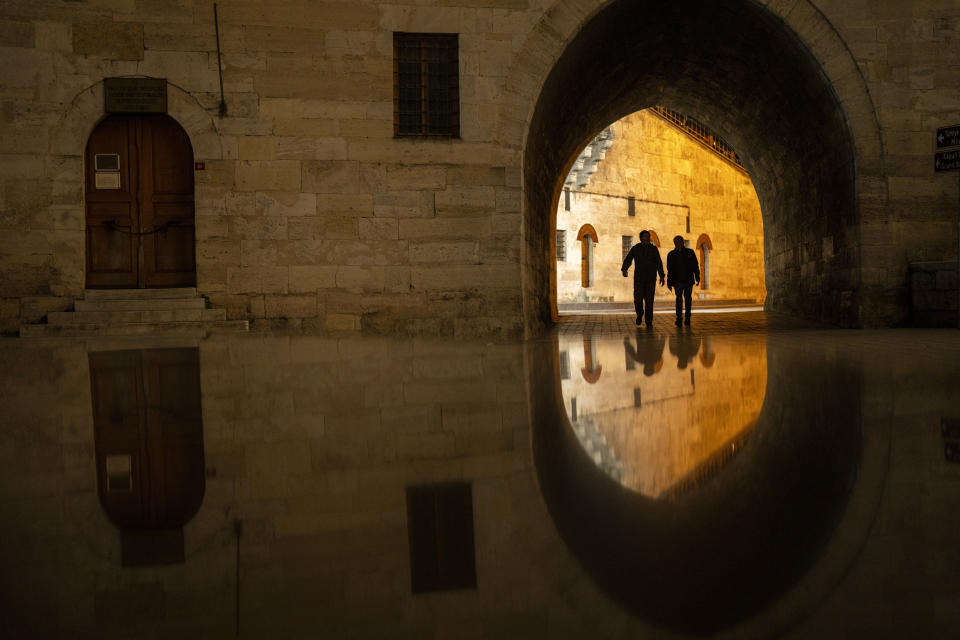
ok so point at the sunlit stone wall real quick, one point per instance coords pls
(651, 160)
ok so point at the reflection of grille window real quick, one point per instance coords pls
(626, 243)
(573, 409)
(564, 365)
(119, 473)
(561, 245)
(637, 401)
(440, 526)
(426, 86)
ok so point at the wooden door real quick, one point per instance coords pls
(148, 435)
(140, 208)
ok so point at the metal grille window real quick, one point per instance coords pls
(426, 85)
(631, 206)
(440, 528)
(626, 243)
(561, 245)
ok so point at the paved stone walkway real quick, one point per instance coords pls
(880, 344)
(732, 322)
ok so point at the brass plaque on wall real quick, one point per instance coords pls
(135, 95)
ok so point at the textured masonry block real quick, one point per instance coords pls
(310, 278)
(444, 253)
(290, 306)
(118, 40)
(331, 176)
(271, 175)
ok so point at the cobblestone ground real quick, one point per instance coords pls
(713, 323)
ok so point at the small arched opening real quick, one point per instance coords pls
(704, 247)
(587, 237)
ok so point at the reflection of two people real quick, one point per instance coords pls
(648, 352)
(685, 347)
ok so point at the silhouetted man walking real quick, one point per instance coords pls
(683, 269)
(647, 266)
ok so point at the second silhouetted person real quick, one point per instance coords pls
(683, 271)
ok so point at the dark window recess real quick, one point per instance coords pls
(950, 430)
(564, 365)
(426, 85)
(566, 199)
(626, 243)
(573, 409)
(440, 525)
(561, 245)
(631, 206)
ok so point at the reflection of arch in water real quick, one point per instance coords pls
(721, 554)
(148, 434)
(680, 434)
(592, 369)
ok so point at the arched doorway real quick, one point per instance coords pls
(139, 204)
(743, 72)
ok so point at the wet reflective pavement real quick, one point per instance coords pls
(749, 477)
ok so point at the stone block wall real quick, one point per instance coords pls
(311, 214)
(670, 175)
(933, 294)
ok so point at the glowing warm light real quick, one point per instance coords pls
(667, 412)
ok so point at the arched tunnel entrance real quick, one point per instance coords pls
(738, 68)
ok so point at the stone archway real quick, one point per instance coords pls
(68, 137)
(775, 81)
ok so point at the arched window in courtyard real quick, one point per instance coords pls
(588, 238)
(704, 246)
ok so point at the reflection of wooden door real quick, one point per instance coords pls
(148, 435)
(140, 210)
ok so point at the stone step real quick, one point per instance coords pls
(198, 329)
(153, 304)
(139, 294)
(64, 318)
